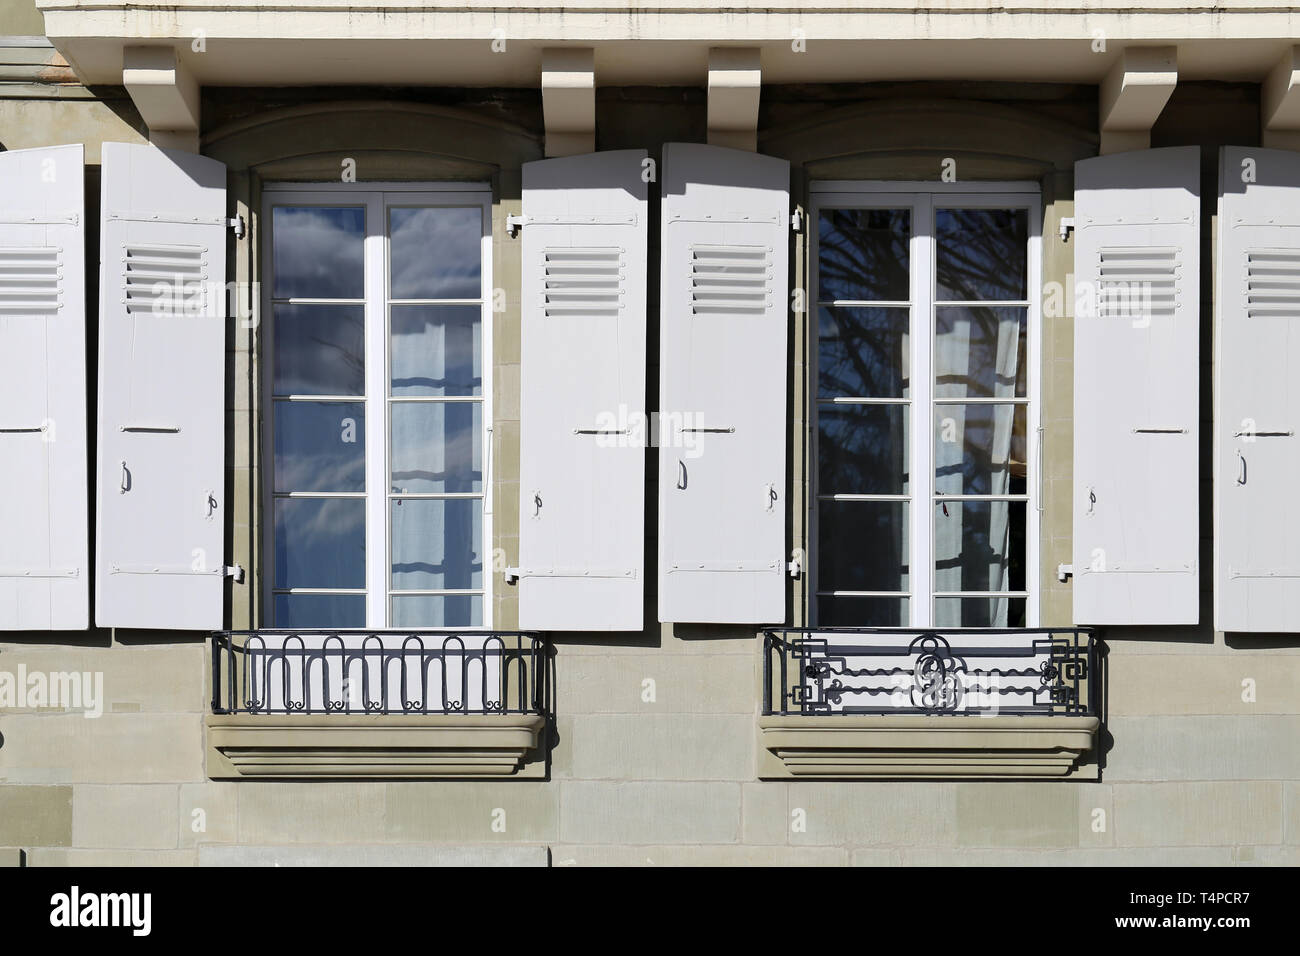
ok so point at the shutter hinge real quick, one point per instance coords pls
(1067, 223)
(1064, 571)
(796, 219)
(795, 568)
(570, 572)
(514, 224)
(237, 224)
(234, 571)
(511, 575)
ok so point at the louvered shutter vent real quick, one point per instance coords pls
(161, 505)
(582, 383)
(44, 540)
(722, 397)
(1257, 393)
(1136, 398)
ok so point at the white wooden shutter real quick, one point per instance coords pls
(722, 421)
(1136, 334)
(1257, 393)
(44, 572)
(161, 508)
(582, 416)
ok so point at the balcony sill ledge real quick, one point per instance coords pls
(916, 746)
(369, 746)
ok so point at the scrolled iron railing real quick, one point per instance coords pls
(432, 671)
(933, 671)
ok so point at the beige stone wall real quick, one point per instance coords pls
(654, 739)
(20, 18)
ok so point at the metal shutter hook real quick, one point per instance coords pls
(126, 479)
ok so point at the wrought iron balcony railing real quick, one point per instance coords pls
(295, 671)
(958, 671)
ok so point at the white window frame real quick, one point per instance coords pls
(922, 198)
(377, 198)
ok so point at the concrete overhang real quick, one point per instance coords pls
(476, 43)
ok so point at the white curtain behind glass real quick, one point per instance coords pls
(953, 354)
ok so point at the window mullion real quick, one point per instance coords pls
(1033, 476)
(376, 414)
(921, 577)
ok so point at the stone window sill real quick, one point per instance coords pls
(924, 747)
(352, 746)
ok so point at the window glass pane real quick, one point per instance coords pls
(979, 546)
(862, 449)
(980, 254)
(440, 610)
(320, 610)
(435, 252)
(437, 543)
(318, 252)
(320, 543)
(862, 546)
(437, 350)
(839, 611)
(437, 447)
(980, 352)
(862, 353)
(980, 612)
(320, 446)
(862, 255)
(980, 449)
(320, 350)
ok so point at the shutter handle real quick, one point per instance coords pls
(1092, 501)
(770, 488)
(125, 486)
(537, 504)
(681, 475)
(1241, 477)
(212, 504)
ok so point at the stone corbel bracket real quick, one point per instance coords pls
(1280, 115)
(389, 746)
(166, 93)
(569, 100)
(735, 82)
(1133, 94)
(915, 746)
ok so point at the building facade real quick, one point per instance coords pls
(814, 434)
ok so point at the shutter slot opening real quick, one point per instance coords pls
(1141, 282)
(181, 270)
(1273, 283)
(583, 281)
(730, 279)
(31, 281)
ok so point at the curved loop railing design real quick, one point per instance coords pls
(323, 672)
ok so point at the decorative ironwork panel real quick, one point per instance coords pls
(959, 671)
